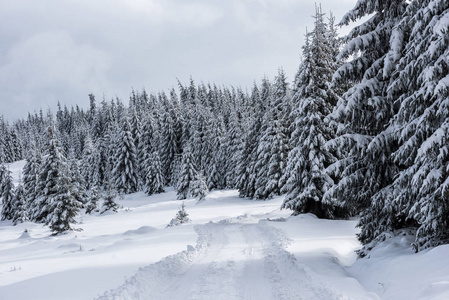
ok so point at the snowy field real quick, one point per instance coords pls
(233, 249)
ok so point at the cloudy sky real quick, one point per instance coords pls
(62, 50)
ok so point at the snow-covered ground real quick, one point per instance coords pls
(233, 249)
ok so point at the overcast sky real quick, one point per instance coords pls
(62, 50)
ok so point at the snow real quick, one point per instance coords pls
(442, 26)
(394, 271)
(234, 248)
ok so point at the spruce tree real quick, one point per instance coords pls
(199, 187)
(154, 178)
(3, 175)
(56, 204)
(99, 162)
(181, 217)
(169, 143)
(215, 171)
(417, 66)
(272, 147)
(87, 163)
(20, 206)
(109, 196)
(8, 195)
(77, 182)
(233, 145)
(364, 111)
(248, 180)
(147, 139)
(188, 174)
(64, 204)
(430, 98)
(92, 204)
(250, 142)
(124, 174)
(308, 179)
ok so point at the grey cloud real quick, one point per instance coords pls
(63, 50)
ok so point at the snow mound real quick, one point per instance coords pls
(394, 271)
(151, 282)
(25, 235)
(140, 230)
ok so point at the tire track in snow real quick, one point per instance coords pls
(259, 287)
(288, 278)
(232, 260)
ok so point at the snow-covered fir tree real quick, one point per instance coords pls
(110, 194)
(99, 162)
(417, 65)
(364, 110)
(247, 173)
(10, 145)
(188, 175)
(149, 137)
(233, 145)
(272, 147)
(181, 217)
(20, 208)
(92, 204)
(125, 170)
(154, 181)
(56, 203)
(8, 194)
(77, 182)
(64, 204)
(3, 175)
(214, 170)
(307, 179)
(199, 188)
(87, 163)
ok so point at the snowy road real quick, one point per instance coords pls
(233, 259)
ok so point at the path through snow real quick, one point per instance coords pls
(233, 259)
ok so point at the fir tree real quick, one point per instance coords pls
(125, 171)
(20, 206)
(199, 187)
(3, 175)
(8, 195)
(147, 139)
(215, 171)
(154, 179)
(109, 197)
(57, 203)
(417, 66)
(182, 217)
(92, 205)
(233, 143)
(169, 144)
(64, 204)
(77, 182)
(99, 162)
(188, 174)
(272, 149)
(308, 179)
(364, 111)
(87, 163)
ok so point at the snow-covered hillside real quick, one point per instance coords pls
(234, 248)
